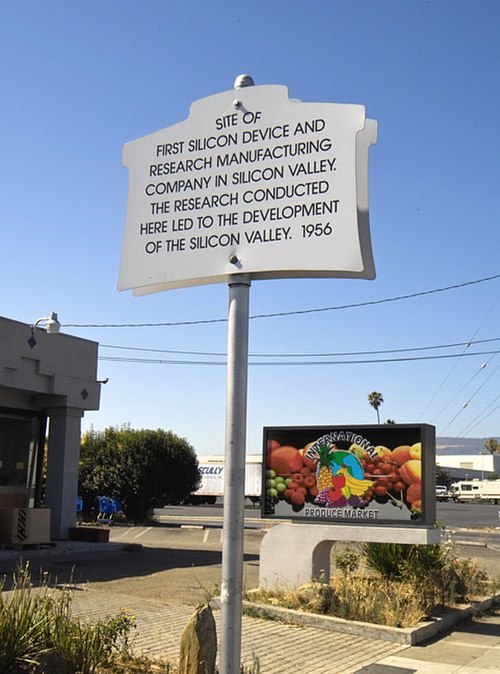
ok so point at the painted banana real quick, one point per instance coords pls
(356, 487)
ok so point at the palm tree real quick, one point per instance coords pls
(492, 445)
(375, 399)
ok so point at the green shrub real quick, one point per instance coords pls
(23, 618)
(88, 645)
(469, 580)
(38, 634)
(346, 559)
(143, 468)
(36, 626)
(407, 584)
(397, 560)
(439, 578)
(387, 559)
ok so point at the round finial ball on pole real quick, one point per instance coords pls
(243, 81)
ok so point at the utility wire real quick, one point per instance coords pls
(293, 362)
(466, 404)
(455, 364)
(484, 414)
(471, 428)
(306, 355)
(443, 382)
(286, 313)
(482, 366)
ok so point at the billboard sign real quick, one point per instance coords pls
(382, 474)
(252, 182)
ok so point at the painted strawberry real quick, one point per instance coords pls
(335, 492)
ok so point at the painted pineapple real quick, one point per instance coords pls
(324, 475)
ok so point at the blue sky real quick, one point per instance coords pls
(79, 80)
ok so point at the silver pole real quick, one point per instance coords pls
(234, 475)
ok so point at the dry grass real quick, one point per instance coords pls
(396, 590)
(357, 598)
(143, 665)
(139, 665)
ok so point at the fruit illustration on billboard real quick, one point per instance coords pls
(344, 475)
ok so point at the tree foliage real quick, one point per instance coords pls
(375, 399)
(492, 445)
(142, 468)
(443, 476)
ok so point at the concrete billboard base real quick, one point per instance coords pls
(294, 554)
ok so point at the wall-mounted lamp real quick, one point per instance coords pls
(52, 327)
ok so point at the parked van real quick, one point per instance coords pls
(442, 493)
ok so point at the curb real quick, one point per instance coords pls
(68, 548)
(408, 636)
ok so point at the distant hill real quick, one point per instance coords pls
(446, 445)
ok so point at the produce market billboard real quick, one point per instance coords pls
(382, 474)
(253, 182)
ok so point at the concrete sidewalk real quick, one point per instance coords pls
(473, 648)
(279, 648)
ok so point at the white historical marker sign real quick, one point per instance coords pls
(254, 183)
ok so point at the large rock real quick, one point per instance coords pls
(198, 647)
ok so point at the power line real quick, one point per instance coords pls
(464, 406)
(471, 428)
(467, 403)
(286, 313)
(302, 355)
(455, 364)
(175, 351)
(479, 418)
(481, 368)
(443, 382)
(159, 361)
(389, 299)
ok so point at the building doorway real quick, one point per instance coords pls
(22, 444)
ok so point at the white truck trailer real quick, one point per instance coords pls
(476, 491)
(212, 479)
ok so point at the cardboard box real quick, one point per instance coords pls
(24, 526)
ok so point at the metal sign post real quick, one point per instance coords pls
(234, 478)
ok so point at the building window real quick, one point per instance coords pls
(18, 458)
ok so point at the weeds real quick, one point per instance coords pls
(387, 584)
(22, 619)
(209, 594)
(38, 635)
(403, 585)
(144, 665)
(84, 645)
(253, 668)
(347, 559)
(37, 630)
(138, 665)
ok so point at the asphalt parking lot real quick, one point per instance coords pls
(181, 564)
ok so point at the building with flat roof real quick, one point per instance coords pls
(47, 383)
(470, 466)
